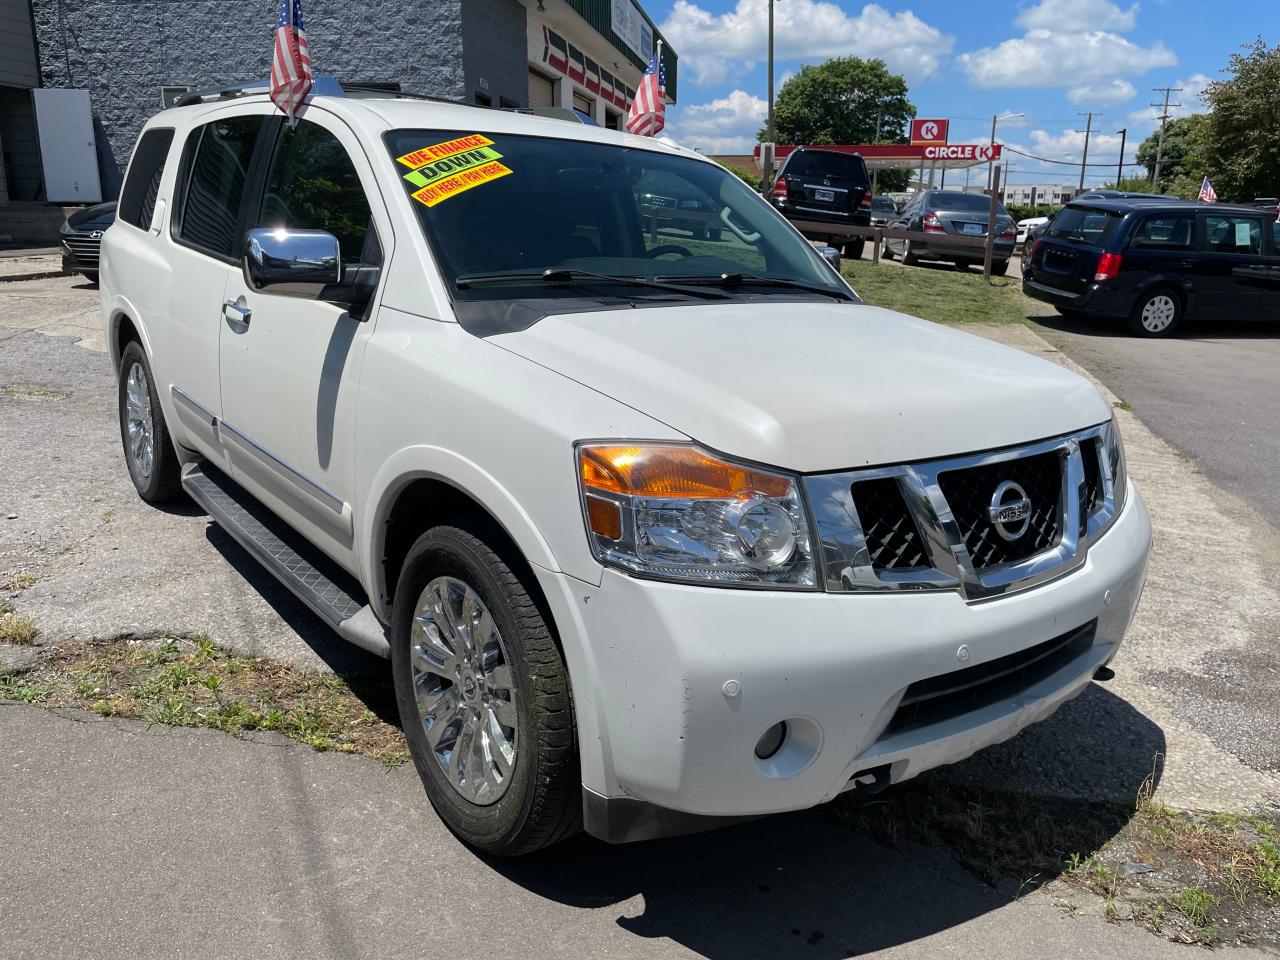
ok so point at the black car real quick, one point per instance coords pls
(82, 236)
(1154, 265)
(945, 215)
(825, 186)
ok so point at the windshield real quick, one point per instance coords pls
(496, 204)
(882, 203)
(1084, 225)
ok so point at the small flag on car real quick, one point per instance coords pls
(1207, 193)
(291, 75)
(648, 113)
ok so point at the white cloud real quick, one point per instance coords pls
(727, 125)
(1042, 58)
(1065, 14)
(1104, 93)
(1189, 101)
(714, 48)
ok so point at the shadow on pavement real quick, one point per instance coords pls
(1195, 330)
(816, 884)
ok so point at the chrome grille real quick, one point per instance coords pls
(891, 533)
(969, 492)
(85, 248)
(937, 525)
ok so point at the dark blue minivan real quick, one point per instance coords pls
(1155, 263)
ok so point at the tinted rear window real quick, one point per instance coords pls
(1084, 225)
(841, 166)
(138, 198)
(960, 201)
(219, 170)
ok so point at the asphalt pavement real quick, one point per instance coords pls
(125, 840)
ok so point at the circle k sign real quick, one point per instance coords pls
(928, 132)
(963, 151)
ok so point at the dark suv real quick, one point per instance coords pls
(1154, 264)
(825, 186)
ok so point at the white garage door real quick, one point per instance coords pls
(542, 92)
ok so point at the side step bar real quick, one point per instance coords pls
(317, 581)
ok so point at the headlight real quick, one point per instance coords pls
(674, 512)
(1114, 449)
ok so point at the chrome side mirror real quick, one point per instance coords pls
(292, 263)
(829, 254)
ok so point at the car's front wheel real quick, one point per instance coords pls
(886, 251)
(484, 695)
(1156, 314)
(148, 451)
(853, 249)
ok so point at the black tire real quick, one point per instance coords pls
(164, 482)
(853, 249)
(1000, 268)
(542, 803)
(886, 251)
(714, 234)
(1167, 314)
(699, 232)
(909, 258)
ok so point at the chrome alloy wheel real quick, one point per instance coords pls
(463, 689)
(1158, 313)
(139, 429)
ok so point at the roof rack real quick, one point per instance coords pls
(324, 86)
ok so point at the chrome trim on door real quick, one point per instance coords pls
(846, 559)
(193, 407)
(277, 466)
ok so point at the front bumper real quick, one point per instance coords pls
(679, 745)
(80, 253)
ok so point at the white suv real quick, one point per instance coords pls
(658, 532)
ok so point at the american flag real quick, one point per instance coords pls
(291, 75)
(648, 110)
(1207, 193)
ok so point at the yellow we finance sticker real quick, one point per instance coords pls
(443, 170)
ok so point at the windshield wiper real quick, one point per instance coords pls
(737, 279)
(564, 275)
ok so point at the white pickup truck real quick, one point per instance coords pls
(658, 532)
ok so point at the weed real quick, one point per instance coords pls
(1125, 405)
(107, 516)
(205, 649)
(19, 582)
(171, 712)
(32, 391)
(5, 608)
(17, 628)
(1195, 903)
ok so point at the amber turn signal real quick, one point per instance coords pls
(671, 471)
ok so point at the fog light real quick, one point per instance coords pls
(772, 741)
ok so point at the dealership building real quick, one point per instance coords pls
(113, 65)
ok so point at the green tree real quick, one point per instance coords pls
(1241, 148)
(839, 102)
(1181, 157)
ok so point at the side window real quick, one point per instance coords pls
(313, 185)
(138, 197)
(220, 153)
(1275, 238)
(1232, 235)
(1167, 232)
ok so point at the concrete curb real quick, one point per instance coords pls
(34, 275)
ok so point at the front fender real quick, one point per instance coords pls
(437, 463)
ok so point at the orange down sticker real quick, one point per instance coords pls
(458, 183)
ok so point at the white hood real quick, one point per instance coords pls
(814, 386)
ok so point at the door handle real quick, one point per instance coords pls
(237, 311)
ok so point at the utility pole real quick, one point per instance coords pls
(1124, 135)
(991, 164)
(876, 172)
(768, 173)
(1164, 119)
(1088, 129)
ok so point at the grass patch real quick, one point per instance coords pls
(1190, 876)
(194, 683)
(17, 627)
(939, 294)
(19, 582)
(32, 391)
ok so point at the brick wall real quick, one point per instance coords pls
(123, 52)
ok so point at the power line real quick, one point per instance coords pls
(1065, 163)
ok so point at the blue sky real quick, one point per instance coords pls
(1047, 59)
